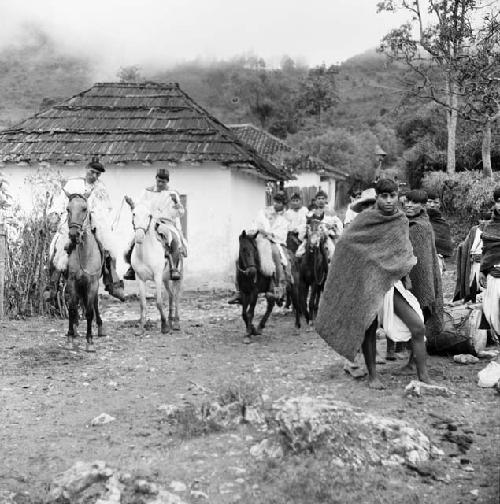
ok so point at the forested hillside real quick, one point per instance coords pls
(339, 113)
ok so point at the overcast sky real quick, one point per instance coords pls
(144, 32)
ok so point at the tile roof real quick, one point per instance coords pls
(130, 122)
(277, 151)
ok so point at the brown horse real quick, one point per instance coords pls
(251, 282)
(84, 269)
(313, 270)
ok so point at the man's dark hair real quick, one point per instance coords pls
(417, 196)
(496, 193)
(320, 194)
(432, 195)
(386, 185)
(296, 195)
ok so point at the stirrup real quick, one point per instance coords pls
(175, 274)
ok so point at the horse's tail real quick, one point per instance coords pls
(267, 266)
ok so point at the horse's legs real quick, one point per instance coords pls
(294, 295)
(173, 304)
(160, 305)
(252, 301)
(312, 301)
(263, 320)
(142, 301)
(303, 292)
(98, 318)
(89, 313)
(72, 313)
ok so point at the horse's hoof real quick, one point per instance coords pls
(101, 335)
(247, 340)
(89, 347)
(175, 325)
(165, 329)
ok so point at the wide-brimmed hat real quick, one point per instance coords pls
(367, 198)
(96, 165)
(163, 174)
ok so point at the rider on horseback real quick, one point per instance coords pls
(167, 209)
(331, 223)
(297, 216)
(272, 225)
(99, 209)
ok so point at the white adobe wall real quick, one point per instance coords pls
(220, 202)
(304, 179)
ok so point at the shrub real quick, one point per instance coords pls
(462, 194)
(28, 240)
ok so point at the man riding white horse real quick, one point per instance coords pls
(271, 225)
(99, 209)
(166, 209)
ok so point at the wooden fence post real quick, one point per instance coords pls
(3, 260)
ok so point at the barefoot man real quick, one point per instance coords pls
(372, 255)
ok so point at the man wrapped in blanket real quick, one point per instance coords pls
(371, 257)
(489, 277)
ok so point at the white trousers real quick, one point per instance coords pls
(491, 301)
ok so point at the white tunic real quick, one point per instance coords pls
(297, 220)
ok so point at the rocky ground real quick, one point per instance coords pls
(197, 413)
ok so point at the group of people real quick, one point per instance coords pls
(386, 272)
(275, 223)
(165, 207)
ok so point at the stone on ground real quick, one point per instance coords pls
(418, 389)
(105, 485)
(356, 437)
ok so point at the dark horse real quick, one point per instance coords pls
(252, 282)
(313, 270)
(84, 269)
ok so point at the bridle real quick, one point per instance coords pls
(139, 228)
(252, 267)
(77, 225)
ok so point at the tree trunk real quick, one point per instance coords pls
(451, 122)
(486, 149)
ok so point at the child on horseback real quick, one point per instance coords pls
(166, 209)
(271, 224)
(99, 208)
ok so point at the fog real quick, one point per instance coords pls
(159, 33)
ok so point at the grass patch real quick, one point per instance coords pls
(316, 479)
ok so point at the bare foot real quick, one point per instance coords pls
(375, 384)
(247, 340)
(406, 370)
(425, 378)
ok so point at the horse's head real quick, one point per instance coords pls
(141, 220)
(77, 215)
(315, 233)
(248, 255)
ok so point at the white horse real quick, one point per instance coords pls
(148, 261)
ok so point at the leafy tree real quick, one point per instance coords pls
(435, 53)
(480, 71)
(130, 73)
(318, 91)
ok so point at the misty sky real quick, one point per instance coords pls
(160, 32)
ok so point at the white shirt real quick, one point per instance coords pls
(274, 224)
(162, 205)
(297, 220)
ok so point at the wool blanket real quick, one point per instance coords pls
(463, 288)
(425, 277)
(442, 233)
(491, 244)
(370, 257)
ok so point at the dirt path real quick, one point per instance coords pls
(49, 395)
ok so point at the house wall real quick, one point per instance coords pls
(312, 179)
(220, 203)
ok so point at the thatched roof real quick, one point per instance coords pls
(130, 122)
(276, 151)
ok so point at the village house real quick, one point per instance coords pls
(309, 173)
(135, 128)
